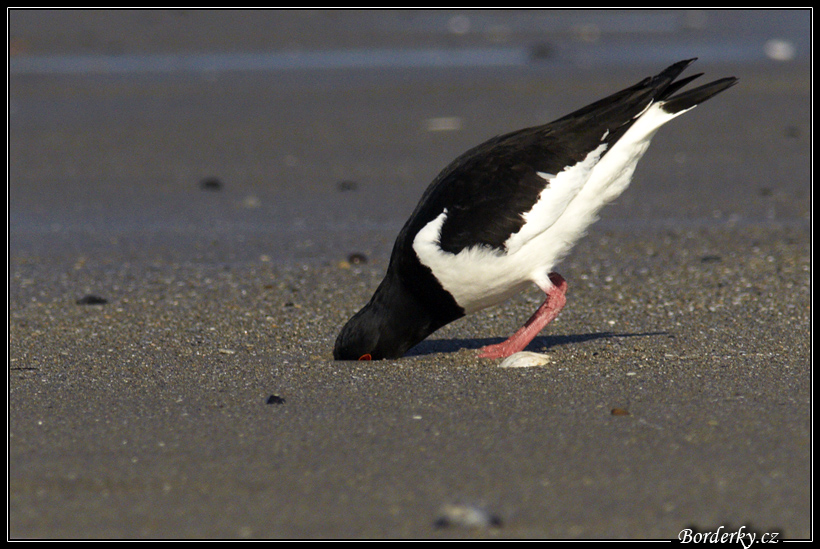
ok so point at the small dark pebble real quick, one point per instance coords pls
(92, 300)
(710, 259)
(791, 132)
(275, 399)
(541, 51)
(356, 259)
(765, 191)
(619, 412)
(290, 304)
(347, 185)
(210, 184)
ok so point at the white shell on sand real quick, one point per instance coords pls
(525, 359)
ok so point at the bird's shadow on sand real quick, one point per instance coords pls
(542, 343)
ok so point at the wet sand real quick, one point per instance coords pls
(232, 222)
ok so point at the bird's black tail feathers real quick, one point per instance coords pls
(666, 85)
(630, 102)
(690, 98)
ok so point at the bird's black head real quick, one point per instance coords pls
(370, 335)
(387, 327)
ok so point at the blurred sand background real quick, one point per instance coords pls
(229, 184)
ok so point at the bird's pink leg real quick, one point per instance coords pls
(546, 313)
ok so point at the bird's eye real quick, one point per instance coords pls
(366, 356)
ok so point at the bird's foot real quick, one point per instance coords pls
(501, 350)
(546, 313)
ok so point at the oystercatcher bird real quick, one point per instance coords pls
(501, 215)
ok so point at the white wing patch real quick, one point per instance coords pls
(554, 199)
(609, 178)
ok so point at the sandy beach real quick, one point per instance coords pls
(184, 245)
